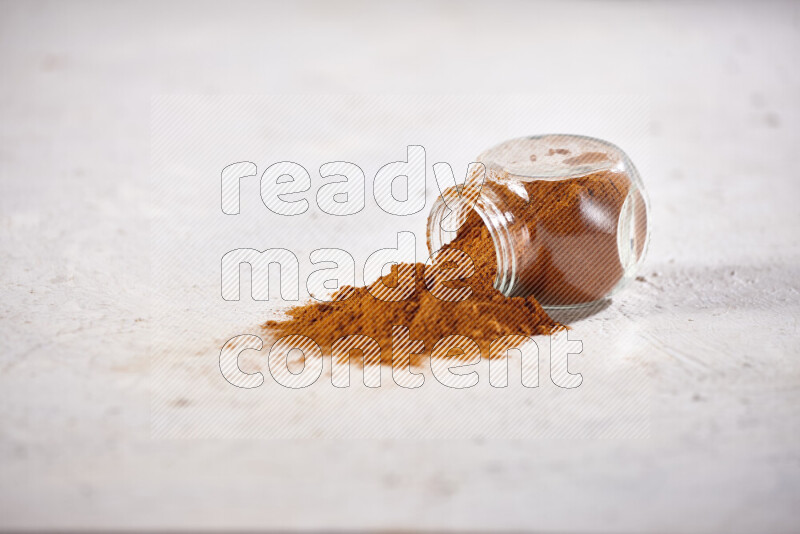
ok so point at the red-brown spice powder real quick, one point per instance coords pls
(570, 262)
(484, 316)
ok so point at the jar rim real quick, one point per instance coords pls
(491, 216)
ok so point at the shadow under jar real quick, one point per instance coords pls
(567, 215)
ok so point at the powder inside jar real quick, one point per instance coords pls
(566, 212)
(566, 234)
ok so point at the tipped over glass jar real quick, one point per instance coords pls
(567, 215)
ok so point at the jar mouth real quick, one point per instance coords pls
(494, 220)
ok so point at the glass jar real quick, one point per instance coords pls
(567, 215)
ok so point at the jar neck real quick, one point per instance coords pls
(491, 209)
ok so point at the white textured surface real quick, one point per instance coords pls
(719, 304)
(194, 137)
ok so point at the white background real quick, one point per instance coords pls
(718, 306)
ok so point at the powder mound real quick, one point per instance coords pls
(484, 316)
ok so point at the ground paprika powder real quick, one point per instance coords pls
(559, 220)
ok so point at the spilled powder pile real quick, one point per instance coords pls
(484, 316)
